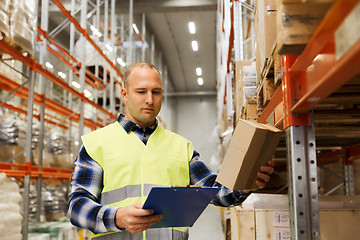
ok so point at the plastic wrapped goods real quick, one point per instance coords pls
(4, 24)
(23, 18)
(58, 151)
(13, 137)
(4, 18)
(10, 220)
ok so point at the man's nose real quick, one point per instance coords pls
(149, 98)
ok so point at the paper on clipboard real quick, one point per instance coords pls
(181, 206)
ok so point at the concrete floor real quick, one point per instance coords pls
(208, 226)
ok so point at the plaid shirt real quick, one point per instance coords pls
(84, 206)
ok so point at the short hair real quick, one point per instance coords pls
(137, 65)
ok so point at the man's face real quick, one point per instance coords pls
(143, 96)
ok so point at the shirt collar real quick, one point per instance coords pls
(130, 126)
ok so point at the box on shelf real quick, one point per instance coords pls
(296, 22)
(251, 146)
(273, 224)
(250, 109)
(266, 217)
(245, 85)
(265, 30)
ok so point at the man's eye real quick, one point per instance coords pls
(156, 92)
(141, 92)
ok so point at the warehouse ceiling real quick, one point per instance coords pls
(168, 21)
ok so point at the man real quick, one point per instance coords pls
(118, 164)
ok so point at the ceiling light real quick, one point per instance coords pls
(76, 84)
(87, 93)
(95, 31)
(200, 81)
(135, 28)
(194, 45)
(108, 47)
(49, 65)
(192, 27)
(198, 71)
(120, 61)
(61, 74)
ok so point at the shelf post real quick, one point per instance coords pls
(238, 31)
(42, 60)
(302, 167)
(28, 155)
(112, 55)
(152, 58)
(130, 43)
(143, 49)
(83, 67)
(348, 170)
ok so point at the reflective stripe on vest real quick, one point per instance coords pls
(120, 194)
(151, 234)
(132, 168)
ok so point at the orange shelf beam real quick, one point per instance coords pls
(273, 103)
(27, 169)
(9, 85)
(5, 47)
(317, 72)
(72, 63)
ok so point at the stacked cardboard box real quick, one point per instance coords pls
(265, 31)
(297, 21)
(266, 216)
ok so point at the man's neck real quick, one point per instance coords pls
(143, 125)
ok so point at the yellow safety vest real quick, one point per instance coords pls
(132, 168)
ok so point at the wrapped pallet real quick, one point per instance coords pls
(23, 19)
(58, 150)
(4, 18)
(12, 139)
(10, 198)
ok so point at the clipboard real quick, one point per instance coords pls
(181, 206)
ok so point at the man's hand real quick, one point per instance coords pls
(264, 173)
(135, 219)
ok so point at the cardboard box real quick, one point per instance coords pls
(265, 25)
(297, 22)
(273, 224)
(251, 146)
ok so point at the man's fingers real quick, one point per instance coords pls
(267, 169)
(271, 163)
(260, 184)
(140, 224)
(263, 176)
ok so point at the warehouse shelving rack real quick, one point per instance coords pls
(307, 80)
(68, 116)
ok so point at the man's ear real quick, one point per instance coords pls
(124, 94)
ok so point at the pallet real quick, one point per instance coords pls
(272, 66)
(265, 91)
